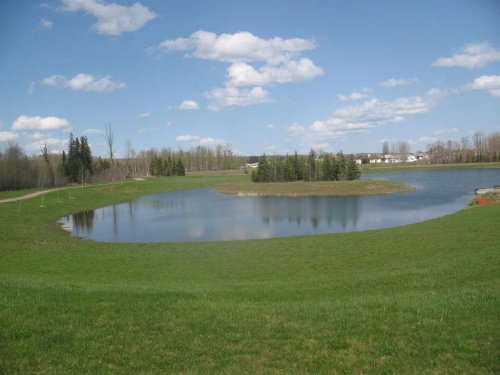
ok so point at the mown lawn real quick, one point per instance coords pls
(419, 299)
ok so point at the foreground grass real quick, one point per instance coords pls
(301, 188)
(418, 299)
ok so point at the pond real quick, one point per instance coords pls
(204, 215)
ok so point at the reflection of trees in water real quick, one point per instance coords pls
(330, 211)
(83, 222)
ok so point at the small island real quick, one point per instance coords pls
(316, 188)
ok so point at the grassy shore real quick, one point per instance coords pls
(419, 299)
(419, 166)
(300, 188)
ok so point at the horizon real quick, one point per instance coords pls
(263, 77)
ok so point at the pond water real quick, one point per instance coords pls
(203, 215)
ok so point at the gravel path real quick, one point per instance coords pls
(28, 196)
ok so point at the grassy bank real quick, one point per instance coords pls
(418, 299)
(386, 168)
(300, 188)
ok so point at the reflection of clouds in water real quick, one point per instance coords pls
(196, 231)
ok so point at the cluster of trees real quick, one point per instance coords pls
(77, 166)
(478, 149)
(324, 167)
(166, 167)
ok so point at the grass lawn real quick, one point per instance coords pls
(418, 299)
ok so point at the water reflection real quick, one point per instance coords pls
(202, 215)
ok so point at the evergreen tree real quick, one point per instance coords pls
(311, 164)
(180, 168)
(353, 172)
(341, 166)
(263, 171)
(327, 167)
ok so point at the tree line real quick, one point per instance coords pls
(314, 167)
(480, 148)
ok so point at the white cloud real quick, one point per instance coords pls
(8, 136)
(446, 131)
(376, 110)
(207, 141)
(145, 114)
(427, 139)
(31, 89)
(353, 96)
(238, 47)
(489, 83)
(112, 19)
(39, 123)
(242, 74)
(296, 129)
(54, 144)
(232, 96)
(84, 82)
(270, 126)
(92, 131)
(189, 104)
(321, 145)
(45, 24)
(371, 114)
(398, 82)
(185, 138)
(36, 135)
(471, 56)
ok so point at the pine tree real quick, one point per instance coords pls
(180, 168)
(353, 172)
(311, 164)
(327, 167)
(263, 170)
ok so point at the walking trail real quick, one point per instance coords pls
(28, 196)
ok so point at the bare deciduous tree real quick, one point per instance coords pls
(109, 141)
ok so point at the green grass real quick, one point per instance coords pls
(419, 166)
(301, 188)
(419, 299)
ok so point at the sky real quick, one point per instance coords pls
(268, 76)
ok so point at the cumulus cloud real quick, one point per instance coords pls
(353, 96)
(40, 123)
(207, 141)
(232, 96)
(7, 136)
(145, 114)
(45, 24)
(392, 82)
(243, 74)
(186, 138)
(54, 144)
(371, 114)
(238, 47)
(488, 83)
(84, 82)
(112, 19)
(427, 139)
(189, 104)
(280, 63)
(471, 56)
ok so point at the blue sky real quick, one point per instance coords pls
(261, 76)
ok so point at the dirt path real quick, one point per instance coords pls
(28, 196)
